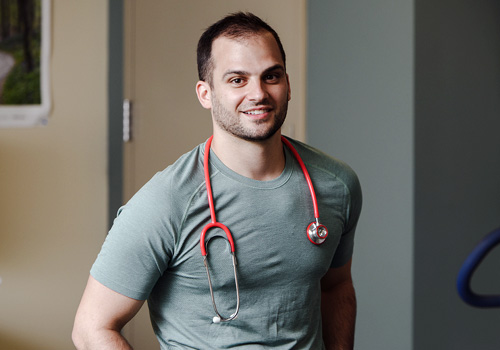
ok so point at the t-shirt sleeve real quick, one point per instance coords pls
(138, 247)
(353, 206)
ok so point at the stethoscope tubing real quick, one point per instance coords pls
(211, 225)
(316, 232)
(214, 223)
(306, 175)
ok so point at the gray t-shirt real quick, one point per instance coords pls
(153, 251)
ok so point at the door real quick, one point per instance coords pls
(160, 78)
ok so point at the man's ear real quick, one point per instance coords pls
(203, 92)
(289, 90)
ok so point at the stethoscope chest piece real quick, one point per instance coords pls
(316, 232)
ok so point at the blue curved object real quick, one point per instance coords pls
(468, 268)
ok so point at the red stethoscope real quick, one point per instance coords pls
(316, 232)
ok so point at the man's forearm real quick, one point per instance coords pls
(338, 311)
(101, 340)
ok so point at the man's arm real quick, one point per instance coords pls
(101, 316)
(338, 308)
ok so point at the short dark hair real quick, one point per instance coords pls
(239, 24)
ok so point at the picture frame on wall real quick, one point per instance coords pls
(25, 99)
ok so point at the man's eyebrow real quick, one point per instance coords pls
(244, 73)
(275, 68)
(234, 72)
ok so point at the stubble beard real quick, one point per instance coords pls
(231, 123)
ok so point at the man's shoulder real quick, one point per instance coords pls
(168, 189)
(185, 167)
(317, 160)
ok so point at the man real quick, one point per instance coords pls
(292, 294)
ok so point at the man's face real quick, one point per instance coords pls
(250, 90)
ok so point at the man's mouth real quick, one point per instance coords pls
(257, 111)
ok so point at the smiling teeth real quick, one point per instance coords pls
(261, 111)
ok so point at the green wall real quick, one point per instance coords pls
(360, 109)
(408, 93)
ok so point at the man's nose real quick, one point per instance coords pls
(257, 91)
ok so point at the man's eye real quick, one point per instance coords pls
(271, 77)
(237, 81)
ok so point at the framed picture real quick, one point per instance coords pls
(24, 63)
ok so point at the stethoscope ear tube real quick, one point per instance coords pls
(219, 318)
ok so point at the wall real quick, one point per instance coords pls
(360, 109)
(408, 93)
(53, 180)
(457, 162)
(160, 76)
(53, 192)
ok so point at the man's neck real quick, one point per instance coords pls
(262, 160)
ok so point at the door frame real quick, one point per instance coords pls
(115, 107)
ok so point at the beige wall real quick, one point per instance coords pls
(53, 180)
(160, 79)
(53, 188)
(160, 75)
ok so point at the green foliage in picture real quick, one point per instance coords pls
(22, 87)
(20, 31)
